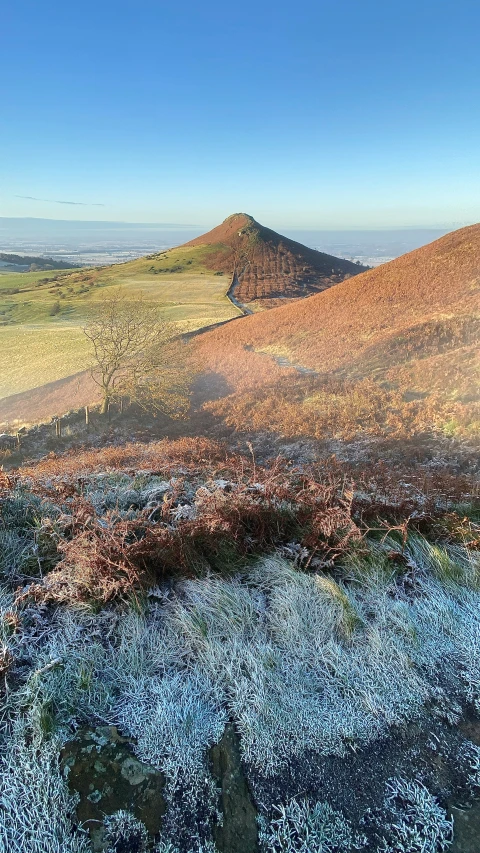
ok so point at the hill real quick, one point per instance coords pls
(42, 312)
(18, 263)
(265, 266)
(402, 338)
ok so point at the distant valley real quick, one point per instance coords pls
(98, 243)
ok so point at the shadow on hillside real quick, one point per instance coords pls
(133, 424)
(421, 453)
(120, 426)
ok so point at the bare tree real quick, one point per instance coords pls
(135, 355)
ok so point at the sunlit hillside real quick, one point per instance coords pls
(395, 349)
(194, 286)
(268, 268)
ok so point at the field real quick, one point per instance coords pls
(30, 357)
(41, 314)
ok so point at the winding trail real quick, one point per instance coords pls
(233, 299)
(230, 294)
(283, 361)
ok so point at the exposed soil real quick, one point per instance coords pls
(102, 769)
(428, 750)
(238, 831)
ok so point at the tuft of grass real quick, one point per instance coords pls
(305, 827)
(450, 564)
(415, 822)
(37, 814)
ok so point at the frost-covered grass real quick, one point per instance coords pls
(174, 718)
(270, 606)
(411, 821)
(303, 827)
(323, 664)
(36, 811)
(415, 822)
(299, 661)
(124, 832)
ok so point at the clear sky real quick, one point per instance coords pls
(314, 113)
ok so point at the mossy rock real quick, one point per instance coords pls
(101, 768)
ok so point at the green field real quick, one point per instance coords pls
(42, 313)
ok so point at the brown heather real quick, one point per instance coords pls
(395, 351)
(241, 509)
(270, 266)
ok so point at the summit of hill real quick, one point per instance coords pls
(266, 266)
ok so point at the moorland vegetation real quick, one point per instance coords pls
(393, 351)
(269, 269)
(186, 602)
(201, 651)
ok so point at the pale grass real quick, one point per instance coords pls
(32, 356)
(47, 348)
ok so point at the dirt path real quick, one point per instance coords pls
(233, 299)
(283, 361)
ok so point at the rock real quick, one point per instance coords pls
(466, 829)
(238, 832)
(101, 768)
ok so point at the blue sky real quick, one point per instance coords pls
(333, 113)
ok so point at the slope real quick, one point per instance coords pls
(266, 266)
(411, 327)
(42, 313)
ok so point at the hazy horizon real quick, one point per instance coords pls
(207, 224)
(97, 242)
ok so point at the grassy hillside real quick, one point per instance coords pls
(393, 349)
(41, 314)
